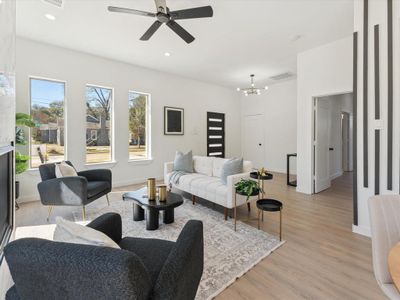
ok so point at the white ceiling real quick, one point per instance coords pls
(243, 37)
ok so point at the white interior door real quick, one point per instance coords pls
(321, 153)
(253, 140)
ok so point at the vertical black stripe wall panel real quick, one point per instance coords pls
(377, 161)
(376, 72)
(355, 87)
(365, 94)
(377, 109)
(390, 96)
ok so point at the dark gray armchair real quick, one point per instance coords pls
(142, 269)
(73, 191)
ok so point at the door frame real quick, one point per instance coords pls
(354, 146)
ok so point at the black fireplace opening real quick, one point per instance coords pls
(6, 195)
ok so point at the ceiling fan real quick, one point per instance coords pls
(164, 15)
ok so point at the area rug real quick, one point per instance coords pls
(227, 254)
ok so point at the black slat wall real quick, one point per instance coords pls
(215, 134)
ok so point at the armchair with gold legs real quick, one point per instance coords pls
(74, 190)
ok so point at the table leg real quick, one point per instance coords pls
(258, 218)
(168, 216)
(234, 211)
(152, 219)
(138, 212)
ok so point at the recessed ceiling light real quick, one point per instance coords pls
(50, 17)
(167, 54)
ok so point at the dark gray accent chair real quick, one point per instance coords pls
(142, 269)
(73, 191)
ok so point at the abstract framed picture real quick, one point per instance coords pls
(173, 121)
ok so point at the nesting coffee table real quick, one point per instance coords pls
(143, 208)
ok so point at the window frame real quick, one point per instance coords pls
(64, 82)
(112, 123)
(148, 128)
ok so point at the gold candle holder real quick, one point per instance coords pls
(151, 188)
(162, 193)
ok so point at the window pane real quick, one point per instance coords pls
(138, 146)
(47, 111)
(98, 124)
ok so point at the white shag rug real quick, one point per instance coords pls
(227, 254)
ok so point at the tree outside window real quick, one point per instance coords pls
(138, 132)
(99, 120)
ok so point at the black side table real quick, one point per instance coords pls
(294, 182)
(262, 178)
(271, 205)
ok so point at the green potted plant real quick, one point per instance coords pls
(248, 187)
(21, 160)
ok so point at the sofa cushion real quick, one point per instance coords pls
(203, 165)
(217, 166)
(183, 162)
(231, 167)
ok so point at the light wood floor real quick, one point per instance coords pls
(321, 259)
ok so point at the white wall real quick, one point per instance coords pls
(78, 69)
(322, 71)
(377, 15)
(278, 106)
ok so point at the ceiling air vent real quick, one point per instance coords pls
(58, 3)
(282, 76)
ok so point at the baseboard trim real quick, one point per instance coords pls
(362, 230)
(121, 183)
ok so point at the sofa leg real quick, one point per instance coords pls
(83, 213)
(248, 206)
(108, 200)
(225, 213)
(193, 199)
(49, 212)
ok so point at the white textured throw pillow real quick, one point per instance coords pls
(65, 170)
(70, 232)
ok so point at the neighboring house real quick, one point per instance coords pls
(93, 130)
(51, 133)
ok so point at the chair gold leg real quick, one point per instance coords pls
(225, 213)
(280, 224)
(193, 199)
(49, 212)
(108, 200)
(83, 213)
(234, 211)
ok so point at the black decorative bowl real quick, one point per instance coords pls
(255, 175)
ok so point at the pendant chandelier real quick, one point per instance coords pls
(252, 90)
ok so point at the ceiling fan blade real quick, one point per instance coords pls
(149, 33)
(192, 13)
(186, 36)
(161, 5)
(131, 11)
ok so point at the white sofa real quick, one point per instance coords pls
(205, 182)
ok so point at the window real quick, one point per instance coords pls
(98, 124)
(139, 133)
(47, 111)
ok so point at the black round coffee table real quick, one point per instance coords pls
(143, 208)
(270, 205)
(262, 178)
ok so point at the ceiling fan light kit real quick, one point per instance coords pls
(165, 16)
(252, 90)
